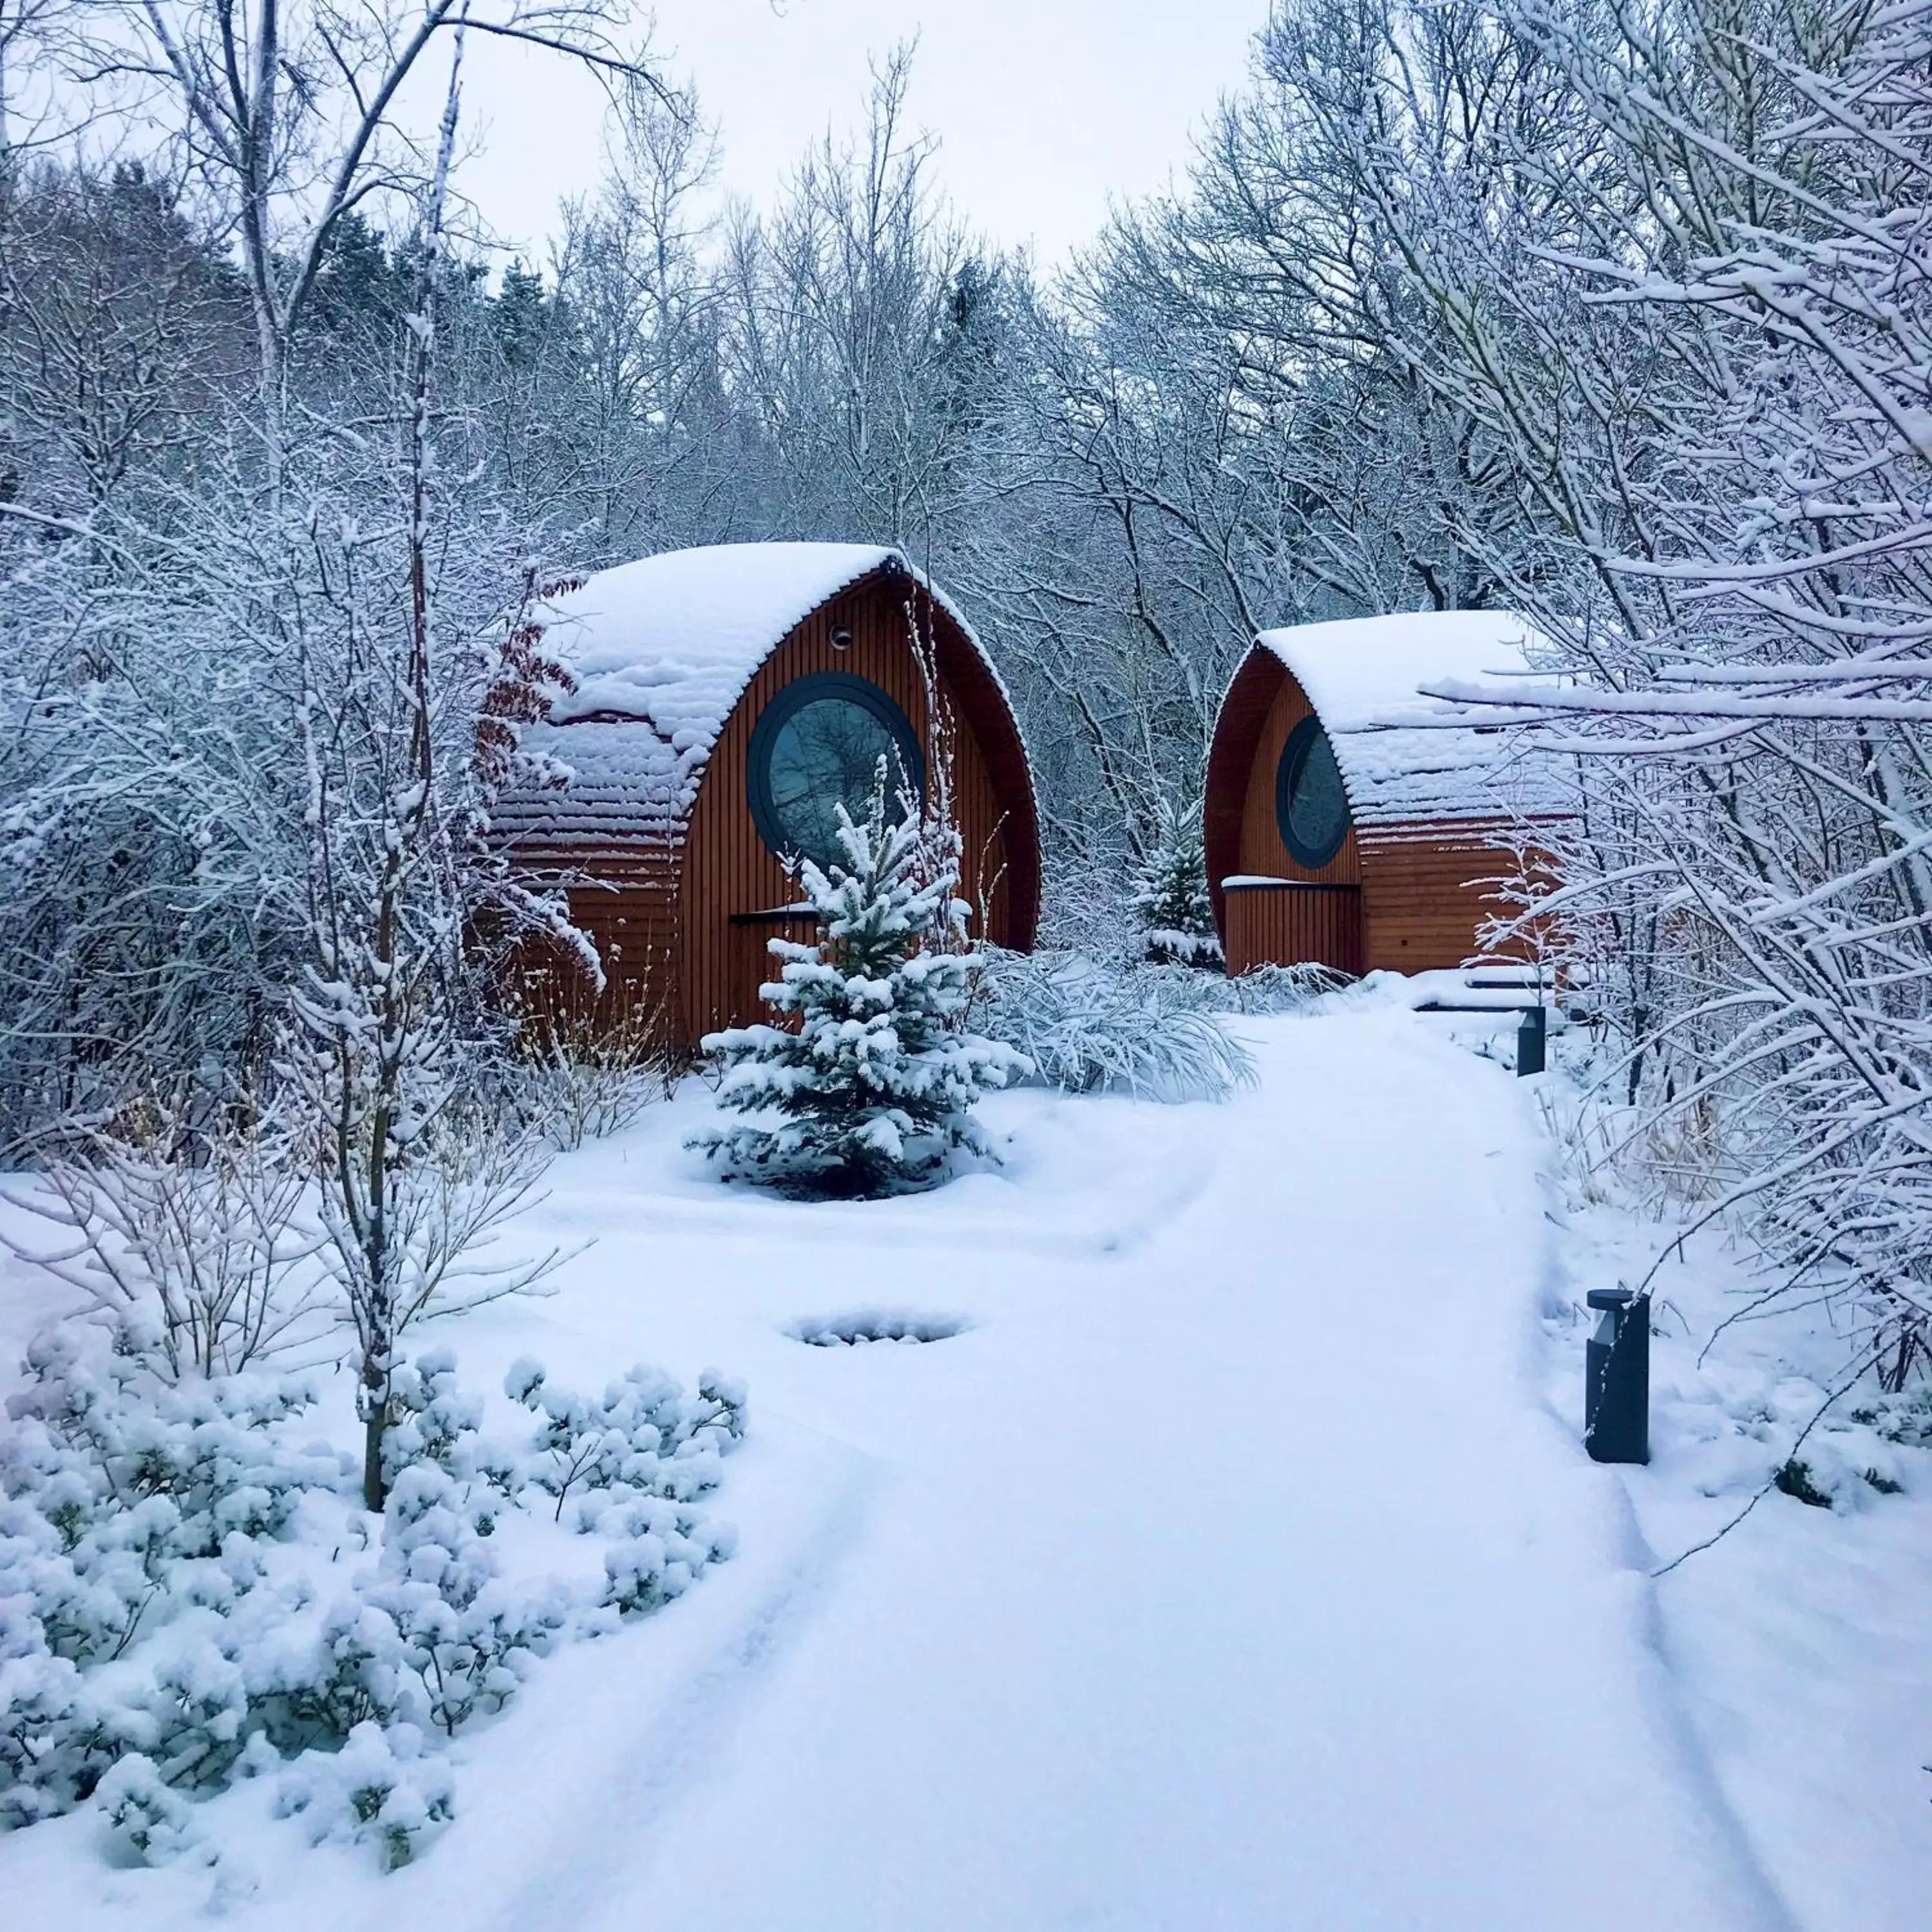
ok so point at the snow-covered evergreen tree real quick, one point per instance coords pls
(1170, 891)
(875, 1085)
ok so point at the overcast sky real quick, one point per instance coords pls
(1046, 109)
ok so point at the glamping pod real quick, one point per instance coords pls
(725, 701)
(1348, 822)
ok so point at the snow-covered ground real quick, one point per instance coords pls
(1800, 1643)
(1235, 1564)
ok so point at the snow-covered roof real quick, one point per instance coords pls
(661, 650)
(675, 638)
(1403, 756)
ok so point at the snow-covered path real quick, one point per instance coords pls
(1227, 1572)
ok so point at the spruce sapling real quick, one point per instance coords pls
(1170, 891)
(874, 1084)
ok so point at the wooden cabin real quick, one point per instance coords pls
(1349, 821)
(726, 700)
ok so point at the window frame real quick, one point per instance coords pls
(816, 687)
(1295, 757)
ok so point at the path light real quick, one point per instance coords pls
(1616, 1377)
(1530, 1033)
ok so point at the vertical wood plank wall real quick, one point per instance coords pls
(1425, 898)
(1262, 850)
(624, 898)
(727, 868)
(1283, 925)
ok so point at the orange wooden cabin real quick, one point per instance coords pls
(1350, 822)
(726, 698)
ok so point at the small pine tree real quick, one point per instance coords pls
(876, 1084)
(1170, 891)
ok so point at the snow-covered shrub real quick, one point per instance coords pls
(873, 1090)
(147, 1819)
(48, 1755)
(1272, 989)
(329, 1674)
(157, 1600)
(115, 1477)
(1904, 1418)
(383, 1787)
(464, 1638)
(581, 1081)
(643, 1438)
(135, 1516)
(1085, 1027)
(432, 1420)
(1793, 1478)
(666, 1550)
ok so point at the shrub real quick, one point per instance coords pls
(1088, 1028)
(1794, 1479)
(190, 1237)
(382, 1788)
(147, 1820)
(160, 1634)
(579, 1079)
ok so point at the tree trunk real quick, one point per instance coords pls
(375, 1426)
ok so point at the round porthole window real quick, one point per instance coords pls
(1309, 804)
(815, 747)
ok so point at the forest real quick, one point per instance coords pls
(1615, 314)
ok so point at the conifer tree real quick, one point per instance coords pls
(873, 1088)
(1170, 891)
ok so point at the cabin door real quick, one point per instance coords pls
(751, 960)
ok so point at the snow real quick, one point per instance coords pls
(1798, 1641)
(676, 637)
(661, 650)
(1404, 756)
(1227, 1560)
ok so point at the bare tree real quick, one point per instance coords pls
(189, 1235)
(289, 115)
(1691, 301)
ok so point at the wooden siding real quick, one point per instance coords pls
(1287, 924)
(626, 900)
(1421, 902)
(728, 870)
(1262, 850)
(1427, 895)
(1231, 760)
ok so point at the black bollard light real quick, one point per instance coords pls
(1530, 1033)
(1616, 1377)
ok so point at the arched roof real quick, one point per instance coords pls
(1402, 755)
(661, 650)
(675, 638)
